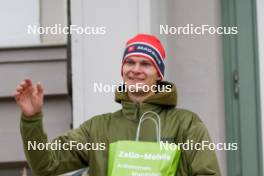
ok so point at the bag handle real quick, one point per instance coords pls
(157, 124)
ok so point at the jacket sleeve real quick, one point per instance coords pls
(200, 162)
(49, 160)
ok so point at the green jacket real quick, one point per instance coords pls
(177, 125)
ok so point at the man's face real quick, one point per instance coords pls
(138, 69)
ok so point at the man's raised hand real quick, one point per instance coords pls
(29, 97)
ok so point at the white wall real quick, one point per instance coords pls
(97, 58)
(51, 13)
(15, 16)
(195, 64)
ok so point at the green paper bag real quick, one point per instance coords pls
(137, 158)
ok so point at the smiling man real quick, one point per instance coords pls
(142, 66)
(139, 75)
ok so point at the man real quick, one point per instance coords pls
(142, 65)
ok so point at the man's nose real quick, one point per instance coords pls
(136, 68)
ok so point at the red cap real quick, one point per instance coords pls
(149, 47)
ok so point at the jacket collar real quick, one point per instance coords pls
(156, 102)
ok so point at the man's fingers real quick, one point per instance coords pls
(17, 96)
(28, 82)
(23, 84)
(26, 87)
(34, 90)
(19, 88)
(23, 90)
(40, 88)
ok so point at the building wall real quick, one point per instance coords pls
(41, 57)
(195, 64)
(96, 58)
(45, 65)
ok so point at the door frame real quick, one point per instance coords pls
(241, 74)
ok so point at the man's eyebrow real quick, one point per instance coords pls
(129, 59)
(145, 61)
